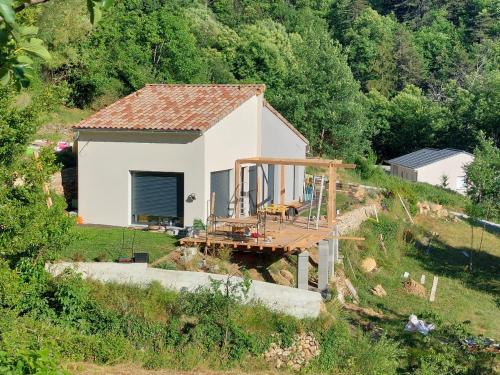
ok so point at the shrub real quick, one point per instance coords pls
(71, 297)
(224, 254)
(351, 352)
(10, 287)
(28, 362)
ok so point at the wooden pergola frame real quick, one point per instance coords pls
(332, 166)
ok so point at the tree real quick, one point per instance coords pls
(407, 122)
(369, 44)
(444, 181)
(482, 177)
(28, 227)
(322, 98)
(18, 44)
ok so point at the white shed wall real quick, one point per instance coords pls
(452, 167)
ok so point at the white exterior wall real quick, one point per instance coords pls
(105, 159)
(236, 136)
(453, 167)
(278, 140)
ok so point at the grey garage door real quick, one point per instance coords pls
(157, 196)
(219, 184)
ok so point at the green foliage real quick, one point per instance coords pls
(18, 44)
(370, 42)
(198, 224)
(28, 362)
(483, 178)
(340, 350)
(10, 287)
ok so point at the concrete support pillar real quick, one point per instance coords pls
(303, 270)
(335, 244)
(323, 266)
(331, 259)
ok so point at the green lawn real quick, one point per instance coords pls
(462, 296)
(110, 243)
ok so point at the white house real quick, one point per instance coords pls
(158, 154)
(431, 165)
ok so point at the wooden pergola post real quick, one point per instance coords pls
(332, 194)
(237, 188)
(282, 184)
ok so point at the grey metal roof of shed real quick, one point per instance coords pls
(424, 157)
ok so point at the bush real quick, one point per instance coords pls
(351, 352)
(71, 297)
(28, 362)
(10, 287)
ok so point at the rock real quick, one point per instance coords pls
(360, 192)
(435, 207)
(378, 291)
(368, 264)
(412, 287)
(287, 275)
(280, 280)
(296, 355)
(188, 253)
(255, 275)
(56, 183)
(442, 213)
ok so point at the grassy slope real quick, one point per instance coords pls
(58, 125)
(94, 241)
(461, 295)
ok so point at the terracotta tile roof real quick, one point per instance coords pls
(172, 107)
(285, 121)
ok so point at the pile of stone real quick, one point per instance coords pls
(304, 348)
(412, 287)
(433, 209)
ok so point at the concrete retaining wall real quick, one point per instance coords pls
(291, 301)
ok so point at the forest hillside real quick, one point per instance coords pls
(359, 78)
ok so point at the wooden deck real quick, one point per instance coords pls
(279, 236)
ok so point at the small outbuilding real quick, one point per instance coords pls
(436, 167)
(159, 154)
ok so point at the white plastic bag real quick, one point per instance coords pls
(414, 325)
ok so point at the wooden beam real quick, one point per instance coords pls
(332, 195)
(316, 162)
(282, 184)
(237, 188)
(212, 203)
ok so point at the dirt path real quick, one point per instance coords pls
(83, 368)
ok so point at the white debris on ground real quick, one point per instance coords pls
(416, 325)
(304, 348)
